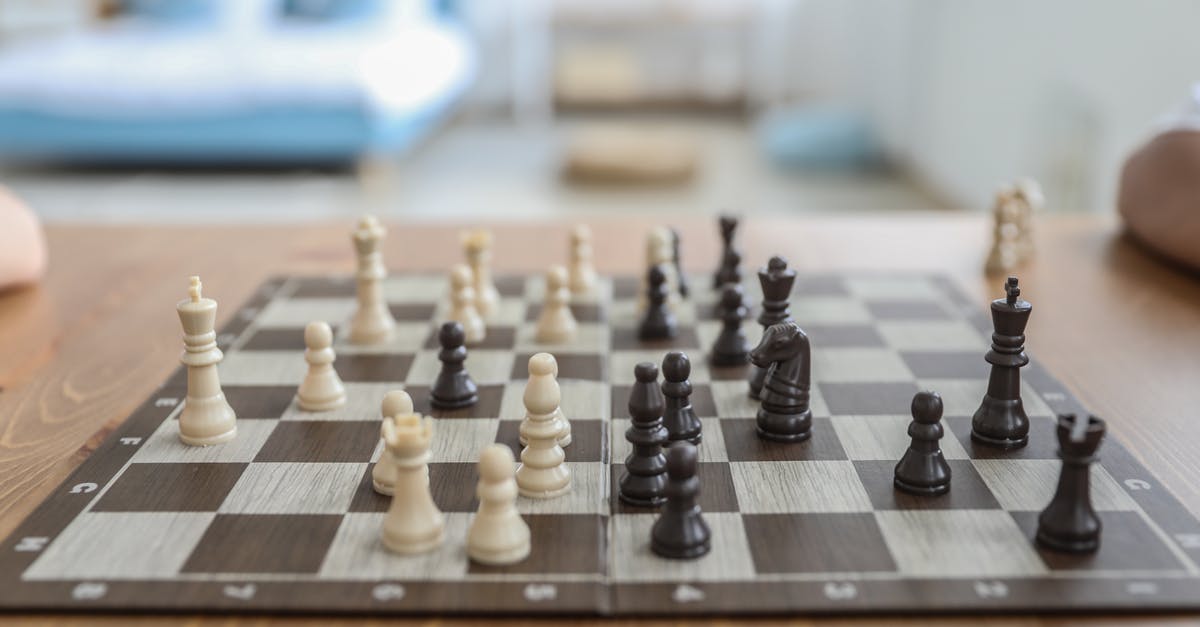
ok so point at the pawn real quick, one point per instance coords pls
(556, 324)
(658, 323)
(731, 347)
(542, 390)
(383, 475)
(413, 523)
(498, 535)
(644, 479)
(923, 470)
(453, 388)
(462, 304)
(542, 473)
(322, 389)
(679, 418)
(680, 531)
(582, 273)
(1069, 523)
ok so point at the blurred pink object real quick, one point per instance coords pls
(22, 244)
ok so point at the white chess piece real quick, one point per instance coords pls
(207, 417)
(383, 475)
(1004, 255)
(477, 245)
(542, 390)
(497, 535)
(413, 523)
(556, 324)
(1031, 200)
(542, 473)
(582, 272)
(322, 389)
(462, 304)
(372, 322)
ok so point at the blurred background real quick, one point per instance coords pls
(274, 110)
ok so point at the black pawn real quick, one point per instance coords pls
(453, 388)
(679, 418)
(680, 277)
(658, 323)
(731, 347)
(923, 469)
(1069, 524)
(644, 480)
(727, 271)
(680, 531)
(1000, 420)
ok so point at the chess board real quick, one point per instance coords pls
(283, 519)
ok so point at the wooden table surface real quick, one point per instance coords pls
(81, 350)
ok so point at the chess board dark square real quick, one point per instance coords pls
(701, 398)
(742, 443)
(324, 287)
(844, 336)
(320, 441)
(717, 493)
(1126, 543)
(497, 338)
(626, 339)
(857, 399)
(817, 542)
(259, 401)
(907, 310)
(946, 365)
(583, 366)
(967, 488)
(510, 286)
(626, 287)
(380, 368)
(587, 439)
(170, 488)
(583, 312)
(412, 312)
(566, 543)
(488, 405)
(275, 340)
(285, 543)
(1043, 443)
(366, 499)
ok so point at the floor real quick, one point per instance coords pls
(471, 169)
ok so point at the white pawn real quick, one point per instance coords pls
(542, 473)
(556, 324)
(477, 245)
(462, 304)
(583, 274)
(383, 476)
(542, 391)
(413, 523)
(498, 535)
(322, 389)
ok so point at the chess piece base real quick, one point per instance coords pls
(411, 547)
(784, 427)
(671, 552)
(921, 490)
(1000, 443)
(500, 557)
(1068, 545)
(220, 438)
(321, 404)
(651, 502)
(544, 494)
(382, 488)
(454, 404)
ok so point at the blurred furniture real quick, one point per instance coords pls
(235, 81)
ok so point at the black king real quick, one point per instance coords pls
(1000, 420)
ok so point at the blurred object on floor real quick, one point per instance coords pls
(1159, 198)
(629, 154)
(820, 138)
(235, 81)
(22, 243)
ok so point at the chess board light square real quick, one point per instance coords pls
(363, 402)
(924, 335)
(581, 400)
(121, 545)
(843, 365)
(263, 368)
(591, 337)
(294, 488)
(732, 400)
(630, 557)
(461, 440)
(959, 542)
(798, 487)
(297, 312)
(829, 310)
(1029, 484)
(626, 313)
(885, 438)
(589, 482)
(961, 397)
(408, 337)
(893, 288)
(485, 366)
(415, 288)
(164, 445)
(358, 553)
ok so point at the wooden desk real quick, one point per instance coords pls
(81, 350)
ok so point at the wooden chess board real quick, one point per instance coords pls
(283, 519)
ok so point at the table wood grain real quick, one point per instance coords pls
(81, 350)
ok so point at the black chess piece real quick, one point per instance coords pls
(680, 277)
(680, 531)
(658, 323)
(679, 418)
(453, 388)
(644, 480)
(776, 280)
(1000, 420)
(731, 347)
(1069, 523)
(785, 354)
(923, 469)
(728, 271)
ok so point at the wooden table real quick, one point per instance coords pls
(80, 351)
